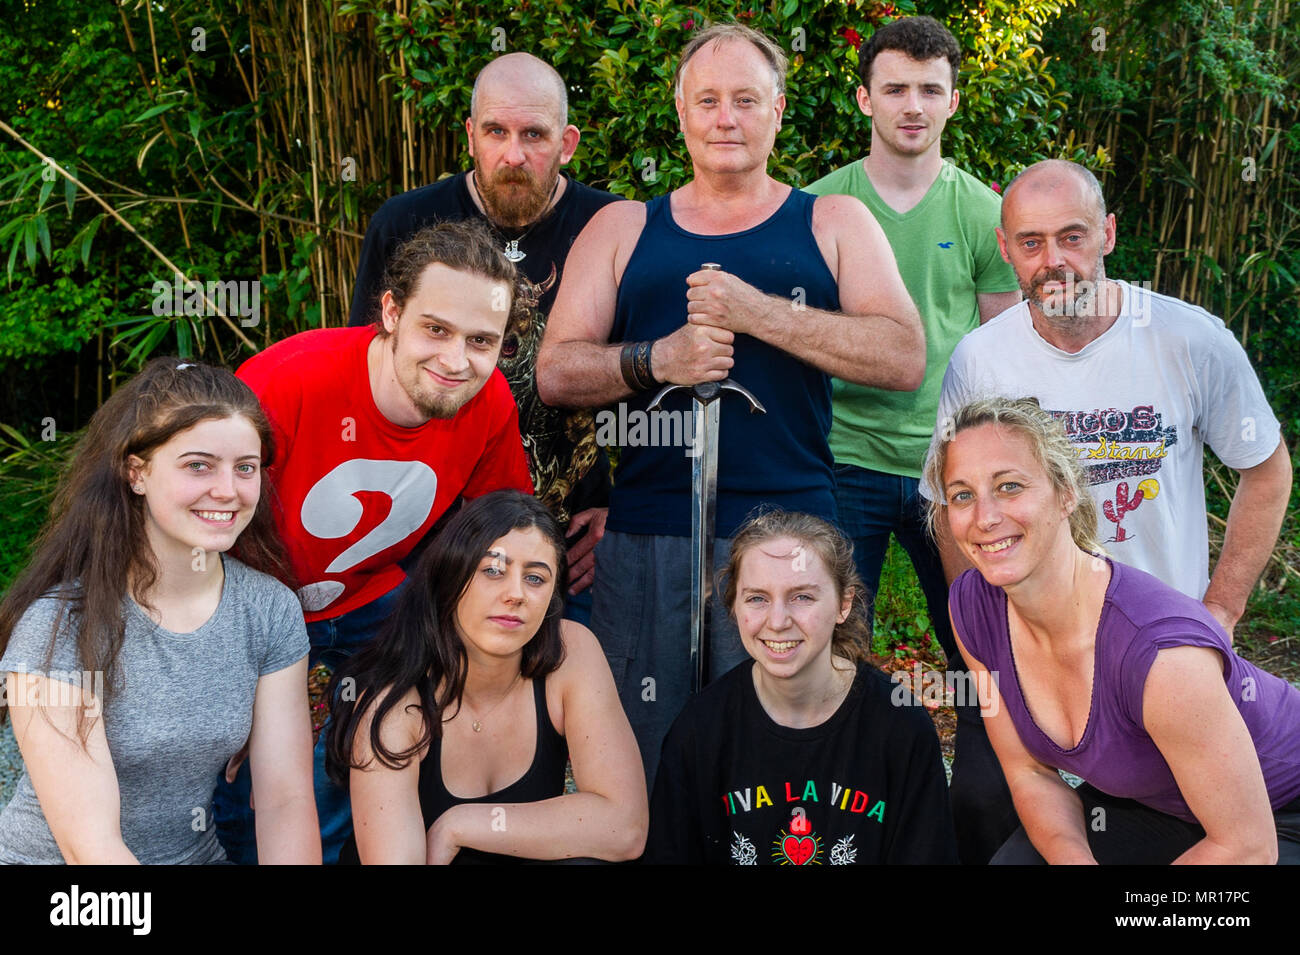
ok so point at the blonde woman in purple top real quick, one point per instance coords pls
(1191, 754)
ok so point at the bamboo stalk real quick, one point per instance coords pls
(6, 128)
(153, 42)
(311, 137)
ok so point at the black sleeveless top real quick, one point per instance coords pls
(544, 779)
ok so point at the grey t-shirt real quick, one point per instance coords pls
(183, 708)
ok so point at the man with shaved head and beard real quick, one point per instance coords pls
(519, 137)
(1141, 382)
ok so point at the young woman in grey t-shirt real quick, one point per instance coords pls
(139, 657)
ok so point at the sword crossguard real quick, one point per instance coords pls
(707, 391)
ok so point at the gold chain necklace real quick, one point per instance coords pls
(477, 724)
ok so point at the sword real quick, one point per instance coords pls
(705, 408)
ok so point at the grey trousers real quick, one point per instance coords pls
(641, 614)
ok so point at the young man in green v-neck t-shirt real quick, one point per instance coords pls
(940, 223)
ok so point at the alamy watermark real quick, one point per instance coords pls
(192, 298)
(932, 688)
(1079, 300)
(56, 688)
(648, 429)
(129, 909)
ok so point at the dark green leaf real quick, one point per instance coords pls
(70, 188)
(43, 233)
(154, 111)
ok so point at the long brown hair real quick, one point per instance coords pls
(95, 538)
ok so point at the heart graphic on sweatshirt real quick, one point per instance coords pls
(799, 851)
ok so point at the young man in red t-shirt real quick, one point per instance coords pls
(378, 431)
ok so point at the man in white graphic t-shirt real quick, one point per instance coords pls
(1142, 382)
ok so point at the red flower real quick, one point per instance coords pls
(995, 187)
(852, 36)
(688, 24)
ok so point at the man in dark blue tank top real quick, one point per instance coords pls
(808, 288)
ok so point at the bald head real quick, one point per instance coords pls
(1049, 176)
(521, 79)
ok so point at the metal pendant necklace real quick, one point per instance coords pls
(512, 251)
(477, 724)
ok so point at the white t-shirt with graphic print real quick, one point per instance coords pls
(1139, 401)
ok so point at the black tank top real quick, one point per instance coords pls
(544, 779)
(781, 458)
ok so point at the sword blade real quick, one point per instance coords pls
(704, 499)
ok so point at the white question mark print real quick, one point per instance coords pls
(331, 510)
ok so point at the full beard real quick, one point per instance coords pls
(507, 203)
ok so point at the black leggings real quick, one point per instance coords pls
(1130, 833)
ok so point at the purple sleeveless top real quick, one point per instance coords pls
(1141, 616)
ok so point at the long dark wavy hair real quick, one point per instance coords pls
(96, 535)
(418, 645)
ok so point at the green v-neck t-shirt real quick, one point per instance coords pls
(948, 254)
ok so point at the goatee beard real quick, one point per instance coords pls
(509, 205)
(1076, 310)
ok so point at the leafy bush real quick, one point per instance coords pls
(618, 59)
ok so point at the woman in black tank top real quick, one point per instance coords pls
(449, 729)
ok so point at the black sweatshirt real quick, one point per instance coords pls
(867, 786)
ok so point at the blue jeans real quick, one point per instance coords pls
(332, 642)
(872, 505)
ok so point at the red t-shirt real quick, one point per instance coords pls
(355, 492)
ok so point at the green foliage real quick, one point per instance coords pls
(60, 313)
(174, 139)
(29, 473)
(208, 154)
(168, 136)
(618, 59)
(902, 623)
(1187, 90)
